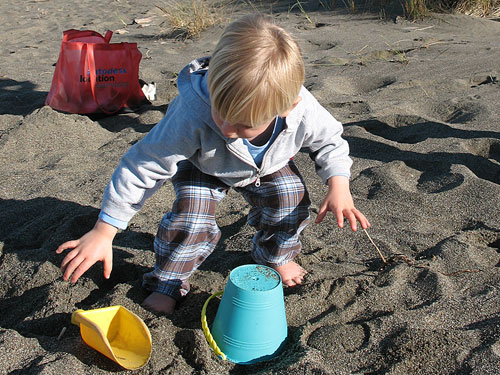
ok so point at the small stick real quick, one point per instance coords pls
(357, 53)
(61, 334)
(425, 28)
(425, 92)
(379, 252)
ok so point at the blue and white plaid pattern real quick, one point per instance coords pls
(280, 211)
(189, 233)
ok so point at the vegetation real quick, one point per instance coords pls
(480, 8)
(188, 19)
(411, 9)
(417, 9)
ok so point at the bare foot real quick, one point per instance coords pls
(291, 273)
(160, 303)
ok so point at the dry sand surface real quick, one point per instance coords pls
(420, 105)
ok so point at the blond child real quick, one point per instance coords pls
(239, 119)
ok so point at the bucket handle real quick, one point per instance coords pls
(206, 330)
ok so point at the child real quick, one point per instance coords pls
(237, 122)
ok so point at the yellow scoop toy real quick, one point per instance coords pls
(117, 333)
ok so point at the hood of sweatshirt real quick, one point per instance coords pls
(193, 88)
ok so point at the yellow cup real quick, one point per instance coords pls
(117, 333)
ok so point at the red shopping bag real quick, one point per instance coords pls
(93, 75)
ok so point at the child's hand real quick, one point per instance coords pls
(339, 201)
(92, 247)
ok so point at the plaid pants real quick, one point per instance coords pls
(189, 233)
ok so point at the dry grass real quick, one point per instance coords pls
(479, 8)
(189, 19)
(414, 9)
(418, 9)
(298, 4)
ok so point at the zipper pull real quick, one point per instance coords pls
(257, 181)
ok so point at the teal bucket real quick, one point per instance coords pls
(250, 324)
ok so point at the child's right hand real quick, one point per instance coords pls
(94, 246)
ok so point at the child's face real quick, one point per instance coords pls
(239, 130)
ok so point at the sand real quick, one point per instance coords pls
(419, 102)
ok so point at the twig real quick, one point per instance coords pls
(459, 272)
(427, 45)
(413, 263)
(424, 28)
(425, 92)
(61, 334)
(357, 53)
(373, 243)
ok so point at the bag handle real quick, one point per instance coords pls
(71, 34)
(108, 36)
(93, 81)
(206, 330)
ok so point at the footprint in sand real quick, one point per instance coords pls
(372, 83)
(414, 287)
(410, 176)
(424, 346)
(349, 109)
(496, 246)
(436, 177)
(457, 111)
(475, 247)
(351, 86)
(324, 45)
(486, 148)
(343, 337)
(307, 25)
(409, 129)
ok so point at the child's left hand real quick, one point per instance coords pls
(339, 201)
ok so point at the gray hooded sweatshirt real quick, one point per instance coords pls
(188, 132)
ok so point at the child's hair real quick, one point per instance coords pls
(255, 73)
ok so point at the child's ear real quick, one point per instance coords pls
(295, 102)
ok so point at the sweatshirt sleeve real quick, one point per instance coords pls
(149, 163)
(323, 141)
